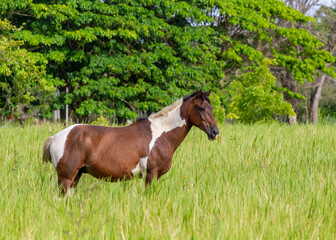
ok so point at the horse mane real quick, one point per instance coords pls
(141, 119)
(186, 98)
(175, 105)
(167, 109)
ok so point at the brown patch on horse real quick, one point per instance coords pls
(105, 152)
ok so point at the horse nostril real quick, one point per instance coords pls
(215, 132)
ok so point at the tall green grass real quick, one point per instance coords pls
(261, 181)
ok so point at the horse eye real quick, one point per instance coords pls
(200, 108)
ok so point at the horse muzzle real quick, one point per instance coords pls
(212, 133)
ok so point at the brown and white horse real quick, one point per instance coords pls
(145, 147)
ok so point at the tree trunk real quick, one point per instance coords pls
(22, 113)
(292, 120)
(288, 82)
(315, 97)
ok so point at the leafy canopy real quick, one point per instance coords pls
(20, 71)
(122, 57)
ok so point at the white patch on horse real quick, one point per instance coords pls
(166, 120)
(71, 191)
(57, 146)
(141, 167)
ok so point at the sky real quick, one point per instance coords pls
(324, 2)
(327, 2)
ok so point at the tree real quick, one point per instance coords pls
(121, 57)
(20, 72)
(325, 30)
(320, 29)
(250, 31)
(255, 98)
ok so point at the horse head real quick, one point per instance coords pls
(201, 115)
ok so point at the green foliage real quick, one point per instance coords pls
(22, 73)
(328, 101)
(255, 98)
(122, 57)
(252, 30)
(218, 109)
(101, 121)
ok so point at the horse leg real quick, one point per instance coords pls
(67, 171)
(150, 176)
(64, 184)
(76, 180)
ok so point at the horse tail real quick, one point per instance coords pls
(46, 149)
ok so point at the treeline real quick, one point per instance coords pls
(119, 58)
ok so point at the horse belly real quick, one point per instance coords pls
(111, 166)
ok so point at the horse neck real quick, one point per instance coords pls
(178, 135)
(174, 126)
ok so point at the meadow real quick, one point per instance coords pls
(255, 182)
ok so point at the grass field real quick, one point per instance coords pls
(254, 182)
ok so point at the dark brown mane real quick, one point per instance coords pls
(141, 119)
(186, 98)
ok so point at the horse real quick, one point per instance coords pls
(145, 147)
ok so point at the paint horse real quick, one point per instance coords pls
(145, 147)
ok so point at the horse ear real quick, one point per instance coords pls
(198, 95)
(207, 93)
